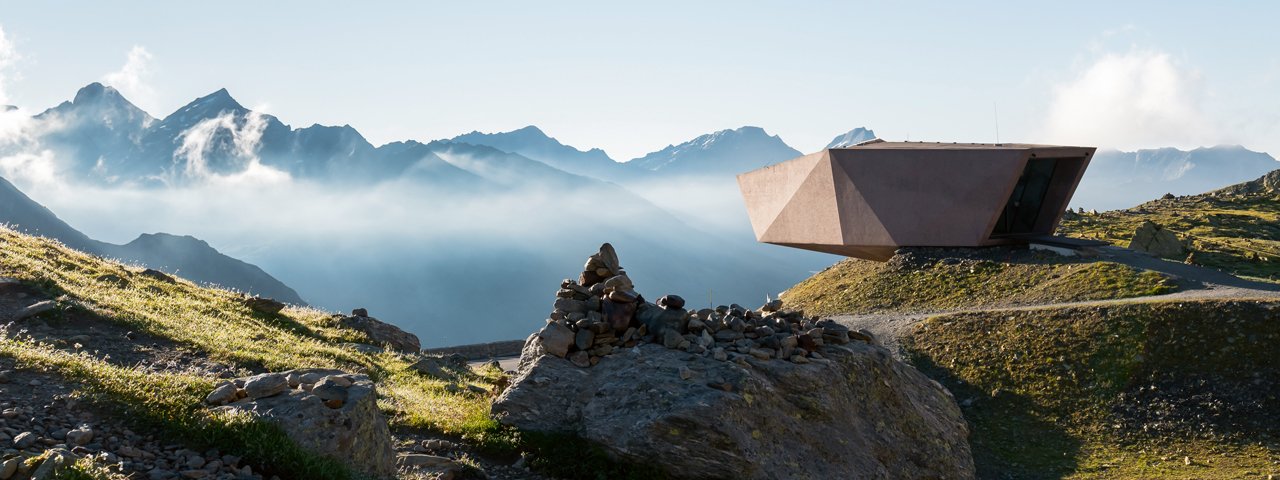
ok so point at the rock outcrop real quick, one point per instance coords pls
(1154, 239)
(729, 392)
(381, 332)
(328, 412)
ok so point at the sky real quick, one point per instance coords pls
(633, 78)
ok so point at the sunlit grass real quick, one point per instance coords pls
(856, 286)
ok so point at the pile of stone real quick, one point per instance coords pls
(329, 412)
(728, 392)
(601, 313)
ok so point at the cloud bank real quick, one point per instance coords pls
(1139, 99)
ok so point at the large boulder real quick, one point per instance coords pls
(1156, 240)
(855, 412)
(329, 412)
(381, 332)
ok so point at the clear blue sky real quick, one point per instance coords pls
(634, 78)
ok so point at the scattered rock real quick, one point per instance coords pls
(80, 436)
(381, 332)
(222, 394)
(556, 338)
(35, 309)
(8, 468)
(265, 305)
(1154, 239)
(54, 461)
(265, 385)
(157, 275)
(671, 302)
(354, 432)
(24, 440)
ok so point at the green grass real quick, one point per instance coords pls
(856, 286)
(215, 323)
(1235, 233)
(1080, 392)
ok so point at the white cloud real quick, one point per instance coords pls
(200, 141)
(1133, 100)
(36, 168)
(133, 80)
(8, 57)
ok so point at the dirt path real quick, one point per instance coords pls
(1194, 282)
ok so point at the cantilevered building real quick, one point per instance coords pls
(868, 200)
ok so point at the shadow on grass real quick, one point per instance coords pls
(1008, 439)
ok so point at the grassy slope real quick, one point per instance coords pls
(1124, 391)
(1016, 278)
(1235, 233)
(217, 324)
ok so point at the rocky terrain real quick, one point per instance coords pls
(727, 392)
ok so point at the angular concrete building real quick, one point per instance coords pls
(866, 201)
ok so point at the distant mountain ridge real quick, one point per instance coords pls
(185, 256)
(727, 152)
(1117, 179)
(852, 137)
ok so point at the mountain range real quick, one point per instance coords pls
(519, 206)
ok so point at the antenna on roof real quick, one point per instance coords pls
(996, 112)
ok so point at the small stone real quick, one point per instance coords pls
(422, 460)
(310, 377)
(762, 353)
(35, 309)
(24, 440)
(80, 436)
(772, 306)
(195, 461)
(194, 473)
(672, 338)
(329, 390)
(622, 296)
(556, 339)
(265, 305)
(581, 359)
(8, 468)
(584, 338)
(671, 302)
(293, 379)
(719, 354)
(686, 373)
(265, 385)
(222, 394)
(359, 312)
(799, 359)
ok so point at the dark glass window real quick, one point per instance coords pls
(1023, 208)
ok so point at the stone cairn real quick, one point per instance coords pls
(601, 313)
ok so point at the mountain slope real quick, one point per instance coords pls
(1236, 228)
(1117, 179)
(723, 153)
(24, 214)
(186, 256)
